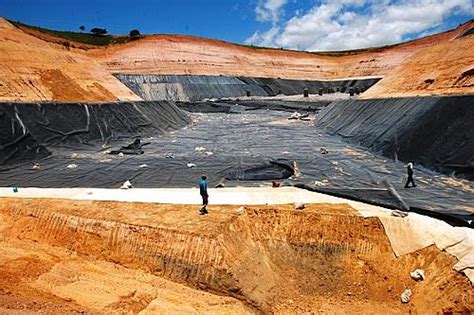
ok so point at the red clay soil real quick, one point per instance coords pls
(178, 54)
(446, 68)
(128, 257)
(434, 65)
(34, 70)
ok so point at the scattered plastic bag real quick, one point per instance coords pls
(190, 165)
(417, 275)
(71, 166)
(126, 185)
(399, 214)
(299, 206)
(36, 166)
(405, 296)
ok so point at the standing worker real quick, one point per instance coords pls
(410, 175)
(204, 195)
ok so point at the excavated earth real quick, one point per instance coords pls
(86, 256)
(48, 68)
(60, 256)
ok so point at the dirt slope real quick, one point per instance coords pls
(112, 256)
(446, 68)
(177, 54)
(33, 66)
(35, 70)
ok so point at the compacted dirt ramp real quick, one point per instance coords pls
(67, 256)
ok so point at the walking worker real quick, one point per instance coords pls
(409, 167)
(204, 194)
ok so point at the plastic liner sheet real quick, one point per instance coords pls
(28, 130)
(385, 198)
(239, 106)
(435, 132)
(468, 32)
(280, 169)
(199, 87)
(293, 87)
(218, 144)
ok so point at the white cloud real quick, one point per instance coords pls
(266, 39)
(269, 10)
(351, 24)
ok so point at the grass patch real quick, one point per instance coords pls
(85, 38)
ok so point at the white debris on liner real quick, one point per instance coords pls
(296, 169)
(169, 156)
(405, 296)
(399, 214)
(323, 182)
(120, 154)
(74, 155)
(199, 149)
(417, 275)
(36, 166)
(295, 115)
(190, 165)
(126, 185)
(143, 166)
(208, 153)
(71, 166)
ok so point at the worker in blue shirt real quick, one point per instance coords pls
(204, 195)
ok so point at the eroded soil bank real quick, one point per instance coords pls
(109, 256)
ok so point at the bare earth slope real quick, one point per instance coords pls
(446, 68)
(177, 54)
(42, 69)
(35, 70)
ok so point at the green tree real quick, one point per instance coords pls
(99, 31)
(134, 33)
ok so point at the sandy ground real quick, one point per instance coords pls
(90, 256)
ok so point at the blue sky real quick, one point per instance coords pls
(295, 24)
